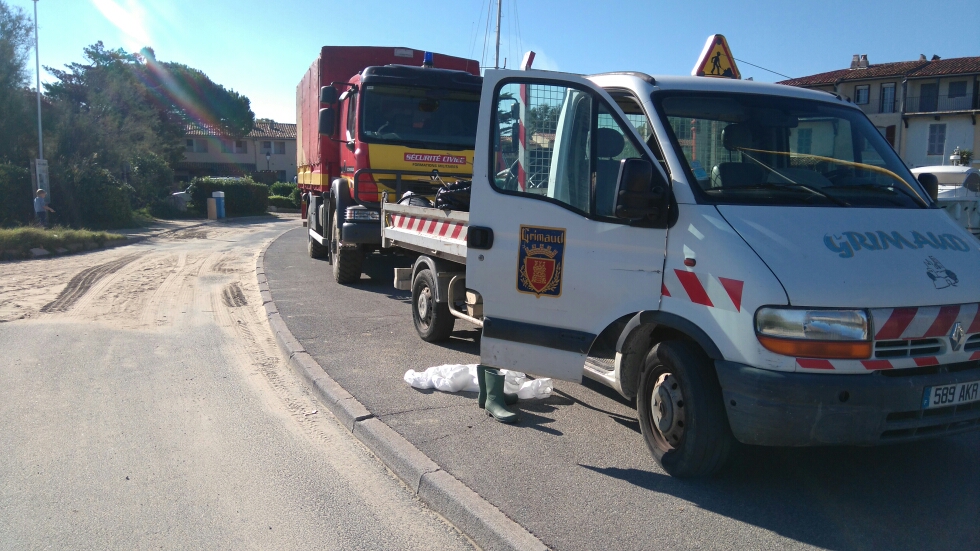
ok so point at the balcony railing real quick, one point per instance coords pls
(938, 103)
(875, 106)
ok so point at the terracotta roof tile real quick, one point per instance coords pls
(952, 66)
(912, 69)
(273, 130)
(878, 70)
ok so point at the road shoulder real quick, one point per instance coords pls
(476, 517)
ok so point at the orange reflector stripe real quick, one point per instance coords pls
(842, 350)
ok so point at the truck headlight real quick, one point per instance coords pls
(803, 333)
(354, 213)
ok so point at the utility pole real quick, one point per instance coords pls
(40, 165)
(37, 65)
(496, 59)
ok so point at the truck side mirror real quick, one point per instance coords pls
(641, 191)
(327, 119)
(328, 94)
(931, 183)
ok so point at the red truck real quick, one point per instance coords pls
(372, 120)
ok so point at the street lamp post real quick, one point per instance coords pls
(40, 165)
(37, 64)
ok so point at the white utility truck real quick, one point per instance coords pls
(750, 261)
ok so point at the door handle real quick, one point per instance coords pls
(479, 237)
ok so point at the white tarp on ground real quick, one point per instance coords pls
(462, 378)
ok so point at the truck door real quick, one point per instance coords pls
(553, 264)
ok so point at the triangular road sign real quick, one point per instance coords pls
(716, 60)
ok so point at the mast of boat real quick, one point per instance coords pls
(496, 59)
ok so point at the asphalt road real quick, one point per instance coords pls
(575, 471)
(144, 404)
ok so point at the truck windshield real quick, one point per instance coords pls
(419, 117)
(761, 150)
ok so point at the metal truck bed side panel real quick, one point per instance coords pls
(436, 232)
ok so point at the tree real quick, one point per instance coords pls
(16, 39)
(190, 94)
(126, 114)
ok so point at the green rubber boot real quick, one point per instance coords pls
(495, 397)
(481, 379)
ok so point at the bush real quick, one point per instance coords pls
(101, 200)
(18, 242)
(167, 210)
(281, 202)
(243, 197)
(16, 195)
(152, 179)
(296, 196)
(283, 189)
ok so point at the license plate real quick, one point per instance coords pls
(951, 395)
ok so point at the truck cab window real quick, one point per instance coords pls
(351, 116)
(417, 116)
(555, 142)
(760, 150)
(635, 116)
(533, 123)
(613, 144)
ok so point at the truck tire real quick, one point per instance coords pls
(433, 322)
(681, 410)
(315, 249)
(346, 262)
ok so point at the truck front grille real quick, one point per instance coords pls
(973, 343)
(909, 348)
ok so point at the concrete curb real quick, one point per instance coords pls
(476, 517)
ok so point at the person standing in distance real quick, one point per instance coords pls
(41, 209)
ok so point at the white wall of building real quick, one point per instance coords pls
(960, 132)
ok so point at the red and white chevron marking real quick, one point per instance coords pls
(427, 226)
(863, 366)
(925, 322)
(704, 289)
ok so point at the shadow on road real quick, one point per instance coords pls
(853, 496)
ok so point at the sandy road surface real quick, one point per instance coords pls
(154, 361)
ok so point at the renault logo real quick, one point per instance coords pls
(956, 336)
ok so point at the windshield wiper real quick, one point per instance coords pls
(842, 162)
(876, 187)
(793, 183)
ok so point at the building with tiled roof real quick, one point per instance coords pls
(925, 108)
(269, 149)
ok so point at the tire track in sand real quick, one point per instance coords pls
(82, 282)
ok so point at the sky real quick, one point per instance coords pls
(262, 49)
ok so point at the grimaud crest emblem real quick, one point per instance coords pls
(539, 261)
(940, 276)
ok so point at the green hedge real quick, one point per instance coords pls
(16, 195)
(281, 202)
(243, 197)
(283, 189)
(100, 199)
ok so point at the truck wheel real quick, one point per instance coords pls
(681, 411)
(432, 319)
(315, 249)
(346, 262)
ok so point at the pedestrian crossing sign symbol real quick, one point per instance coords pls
(716, 60)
